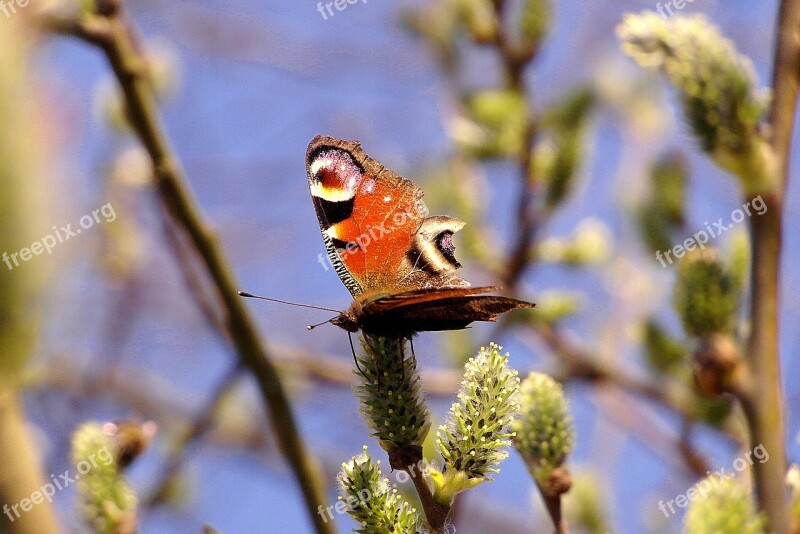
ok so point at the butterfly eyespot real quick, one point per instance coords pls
(444, 242)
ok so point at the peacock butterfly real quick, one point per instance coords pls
(398, 263)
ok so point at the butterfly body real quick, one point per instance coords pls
(398, 263)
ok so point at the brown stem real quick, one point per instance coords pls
(557, 483)
(409, 459)
(765, 405)
(553, 505)
(113, 34)
(527, 214)
(785, 81)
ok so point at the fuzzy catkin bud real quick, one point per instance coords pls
(473, 441)
(717, 87)
(372, 501)
(543, 433)
(390, 393)
(707, 296)
(727, 507)
(108, 503)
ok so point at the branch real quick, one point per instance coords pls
(202, 425)
(553, 505)
(785, 81)
(527, 215)
(409, 459)
(764, 403)
(21, 475)
(113, 34)
(583, 366)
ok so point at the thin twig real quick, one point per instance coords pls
(201, 425)
(527, 213)
(191, 279)
(112, 33)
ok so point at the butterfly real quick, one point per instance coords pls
(397, 262)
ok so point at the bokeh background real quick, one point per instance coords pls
(246, 85)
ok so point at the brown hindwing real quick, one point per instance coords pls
(425, 310)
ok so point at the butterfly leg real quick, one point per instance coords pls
(413, 355)
(353, 350)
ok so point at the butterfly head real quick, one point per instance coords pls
(350, 319)
(347, 322)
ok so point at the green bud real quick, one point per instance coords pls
(473, 440)
(554, 306)
(390, 393)
(739, 257)
(558, 156)
(534, 24)
(712, 411)
(725, 508)
(590, 243)
(480, 20)
(668, 177)
(660, 217)
(663, 352)
(583, 506)
(544, 435)
(717, 87)
(655, 229)
(108, 503)
(495, 124)
(372, 502)
(706, 295)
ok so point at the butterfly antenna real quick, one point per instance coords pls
(353, 350)
(251, 296)
(313, 326)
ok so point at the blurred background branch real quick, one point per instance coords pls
(107, 27)
(21, 183)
